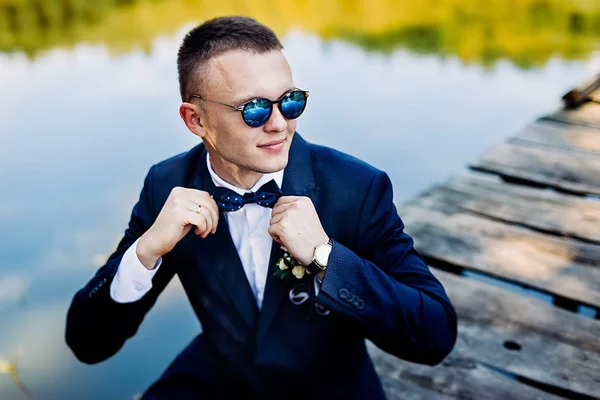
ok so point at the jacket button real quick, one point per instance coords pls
(360, 304)
(344, 293)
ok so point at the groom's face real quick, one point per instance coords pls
(234, 78)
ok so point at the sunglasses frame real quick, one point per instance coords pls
(241, 107)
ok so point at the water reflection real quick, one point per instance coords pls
(81, 127)
(527, 32)
(10, 368)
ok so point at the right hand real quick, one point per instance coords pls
(175, 220)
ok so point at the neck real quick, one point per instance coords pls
(233, 174)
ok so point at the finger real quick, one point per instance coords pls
(287, 199)
(197, 220)
(281, 208)
(212, 213)
(211, 206)
(276, 219)
(205, 213)
(208, 208)
(214, 209)
(274, 232)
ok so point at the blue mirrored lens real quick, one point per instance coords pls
(257, 112)
(293, 104)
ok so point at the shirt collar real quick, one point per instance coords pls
(218, 181)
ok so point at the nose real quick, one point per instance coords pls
(276, 123)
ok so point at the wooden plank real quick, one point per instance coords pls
(595, 96)
(587, 115)
(445, 234)
(459, 376)
(557, 348)
(552, 167)
(396, 389)
(543, 210)
(561, 135)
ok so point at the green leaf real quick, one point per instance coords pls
(281, 274)
(289, 263)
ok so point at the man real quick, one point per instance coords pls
(356, 272)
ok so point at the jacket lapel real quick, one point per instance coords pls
(298, 180)
(218, 251)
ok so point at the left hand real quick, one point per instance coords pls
(296, 225)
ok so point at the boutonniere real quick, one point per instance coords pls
(288, 268)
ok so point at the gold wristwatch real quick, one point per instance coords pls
(320, 258)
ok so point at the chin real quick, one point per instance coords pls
(273, 166)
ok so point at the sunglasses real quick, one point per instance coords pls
(257, 112)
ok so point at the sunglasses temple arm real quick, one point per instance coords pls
(223, 104)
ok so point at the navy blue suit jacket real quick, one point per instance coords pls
(377, 286)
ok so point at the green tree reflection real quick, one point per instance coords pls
(526, 32)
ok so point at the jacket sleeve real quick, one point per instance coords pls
(97, 326)
(386, 287)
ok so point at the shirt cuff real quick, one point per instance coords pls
(318, 284)
(132, 280)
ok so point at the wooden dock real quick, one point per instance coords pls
(527, 214)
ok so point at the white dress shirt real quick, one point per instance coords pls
(249, 231)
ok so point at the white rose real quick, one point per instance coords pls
(298, 271)
(282, 265)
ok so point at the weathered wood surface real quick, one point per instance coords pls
(512, 346)
(560, 135)
(396, 389)
(557, 348)
(587, 115)
(458, 377)
(542, 210)
(546, 166)
(444, 233)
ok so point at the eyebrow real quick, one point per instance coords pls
(246, 99)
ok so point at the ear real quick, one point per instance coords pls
(190, 114)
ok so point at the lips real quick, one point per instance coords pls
(272, 143)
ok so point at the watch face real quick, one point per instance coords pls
(322, 254)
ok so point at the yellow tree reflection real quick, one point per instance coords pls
(527, 32)
(10, 368)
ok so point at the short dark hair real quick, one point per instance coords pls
(215, 37)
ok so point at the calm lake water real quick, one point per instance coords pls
(86, 110)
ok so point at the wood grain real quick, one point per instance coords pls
(560, 135)
(586, 115)
(541, 165)
(543, 210)
(595, 96)
(557, 348)
(561, 266)
(457, 377)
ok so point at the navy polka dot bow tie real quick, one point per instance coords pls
(228, 200)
